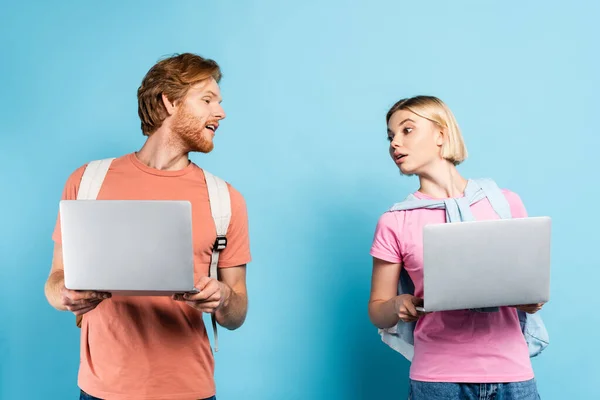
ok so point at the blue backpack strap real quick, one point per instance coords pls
(495, 197)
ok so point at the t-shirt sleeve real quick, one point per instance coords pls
(69, 193)
(517, 207)
(237, 251)
(385, 244)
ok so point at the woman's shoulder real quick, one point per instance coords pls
(489, 184)
(511, 196)
(515, 203)
(391, 217)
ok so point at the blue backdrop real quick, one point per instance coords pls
(306, 87)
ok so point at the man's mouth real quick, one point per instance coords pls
(212, 127)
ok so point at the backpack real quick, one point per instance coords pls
(220, 206)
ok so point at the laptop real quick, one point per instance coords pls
(128, 247)
(490, 263)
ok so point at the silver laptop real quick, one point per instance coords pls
(128, 247)
(486, 263)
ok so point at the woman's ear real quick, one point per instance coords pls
(440, 137)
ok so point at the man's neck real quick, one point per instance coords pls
(160, 152)
(443, 181)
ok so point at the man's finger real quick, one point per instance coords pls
(82, 306)
(193, 297)
(81, 302)
(84, 310)
(85, 303)
(205, 307)
(205, 294)
(203, 282)
(75, 295)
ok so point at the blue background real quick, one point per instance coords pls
(306, 87)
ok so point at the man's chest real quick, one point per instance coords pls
(195, 191)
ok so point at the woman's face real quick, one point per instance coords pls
(415, 142)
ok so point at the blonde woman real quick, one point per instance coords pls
(465, 354)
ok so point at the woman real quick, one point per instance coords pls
(466, 354)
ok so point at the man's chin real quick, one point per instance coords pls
(206, 148)
(201, 146)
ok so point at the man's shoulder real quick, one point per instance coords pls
(234, 194)
(76, 175)
(114, 161)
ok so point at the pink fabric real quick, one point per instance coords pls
(454, 346)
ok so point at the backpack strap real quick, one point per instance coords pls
(92, 179)
(220, 207)
(89, 187)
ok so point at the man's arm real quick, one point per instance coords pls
(232, 312)
(78, 302)
(56, 280)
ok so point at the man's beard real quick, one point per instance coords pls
(189, 131)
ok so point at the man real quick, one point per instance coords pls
(157, 347)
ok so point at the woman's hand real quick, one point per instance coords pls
(530, 308)
(406, 307)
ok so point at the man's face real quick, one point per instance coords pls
(197, 116)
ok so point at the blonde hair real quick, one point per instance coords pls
(436, 111)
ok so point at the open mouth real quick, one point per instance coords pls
(399, 156)
(212, 127)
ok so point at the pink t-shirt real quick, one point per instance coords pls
(454, 346)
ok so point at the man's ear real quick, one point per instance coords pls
(169, 106)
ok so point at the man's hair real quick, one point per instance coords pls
(436, 111)
(173, 77)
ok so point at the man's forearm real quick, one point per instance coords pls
(52, 289)
(232, 313)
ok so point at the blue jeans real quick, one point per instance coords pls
(84, 396)
(526, 390)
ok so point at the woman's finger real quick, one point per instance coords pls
(407, 317)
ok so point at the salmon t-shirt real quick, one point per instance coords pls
(454, 346)
(147, 348)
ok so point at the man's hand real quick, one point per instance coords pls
(81, 302)
(530, 308)
(63, 299)
(211, 297)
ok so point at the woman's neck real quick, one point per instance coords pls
(442, 181)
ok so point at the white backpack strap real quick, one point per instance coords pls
(220, 207)
(89, 187)
(92, 179)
